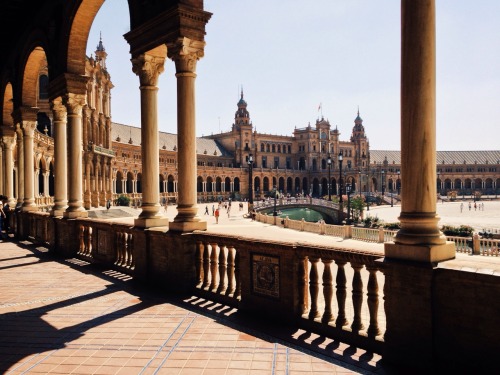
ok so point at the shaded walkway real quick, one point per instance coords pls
(68, 317)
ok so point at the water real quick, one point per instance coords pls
(299, 214)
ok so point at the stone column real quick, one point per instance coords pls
(29, 166)
(8, 147)
(185, 53)
(74, 104)
(46, 184)
(419, 238)
(60, 158)
(20, 166)
(148, 67)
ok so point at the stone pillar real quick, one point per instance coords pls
(410, 262)
(46, 183)
(419, 238)
(87, 197)
(29, 127)
(74, 104)
(8, 147)
(36, 184)
(20, 166)
(60, 158)
(185, 53)
(148, 67)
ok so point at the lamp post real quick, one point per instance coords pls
(250, 183)
(340, 158)
(383, 183)
(348, 192)
(392, 194)
(438, 183)
(329, 162)
(398, 183)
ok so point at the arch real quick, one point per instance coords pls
(281, 184)
(478, 184)
(199, 184)
(305, 186)
(119, 182)
(41, 168)
(297, 185)
(458, 184)
(275, 183)
(315, 188)
(162, 180)
(265, 184)
(218, 184)
(447, 184)
(256, 185)
(8, 106)
(302, 164)
(130, 183)
(170, 184)
(323, 164)
(267, 148)
(324, 186)
(262, 147)
(51, 178)
(227, 184)
(139, 183)
(273, 148)
(236, 184)
(488, 184)
(334, 187)
(468, 184)
(289, 185)
(209, 184)
(35, 63)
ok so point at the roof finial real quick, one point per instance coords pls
(100, 46)
(358, 110)
(241, 91)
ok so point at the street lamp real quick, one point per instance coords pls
(438, 183)
(329, 162)
(398, 183)
(340, 158)
(383, 183)
(275, 213)
(348, 192)
(392, 193)
(250, 183)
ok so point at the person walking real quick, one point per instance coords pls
(470, 206)
(216, 214)
(206, 211)
(213, 210)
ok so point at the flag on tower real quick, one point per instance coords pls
(319, 107)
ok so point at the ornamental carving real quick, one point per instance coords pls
(74, 103)
(148, 68)
(9, 142)
(58, 110)
(185, 53)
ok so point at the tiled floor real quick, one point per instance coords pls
(67, 317)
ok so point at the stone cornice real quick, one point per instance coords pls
(68, 84)
(177, 22)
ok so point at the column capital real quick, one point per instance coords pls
(185, 53)
(74, 103)
(58, 109)
(9, 141)
(148, 67)
(28, 128)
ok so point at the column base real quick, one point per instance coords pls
(75, 214)
(58, 212)
(187, 226)
(420, 253)
(29, 208)
(151, 222)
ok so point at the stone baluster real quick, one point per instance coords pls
(230, 270)
(213, 267)
(222, 270)
(82, 239)
(206, 266)
(357, 297)
(303, 284)
(199, 262)
(314, 288)
(119, 248)
(373, 328)
(327, 290)
(341, 293)
(130, 251)
(237, 287)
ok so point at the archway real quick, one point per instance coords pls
(119, 182)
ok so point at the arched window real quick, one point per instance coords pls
(43, 87)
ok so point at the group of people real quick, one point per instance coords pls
(477, 206)
(221, 205)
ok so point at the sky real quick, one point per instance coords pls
(321, 58)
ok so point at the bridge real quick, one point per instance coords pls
(330, 210)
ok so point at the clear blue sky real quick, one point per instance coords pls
(340, 53)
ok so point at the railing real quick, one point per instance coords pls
(258, 204)
(107, 242)
(353, 313)
(489, 247)
(462, 244)
(367, 234)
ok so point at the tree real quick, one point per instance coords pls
(357, 206)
